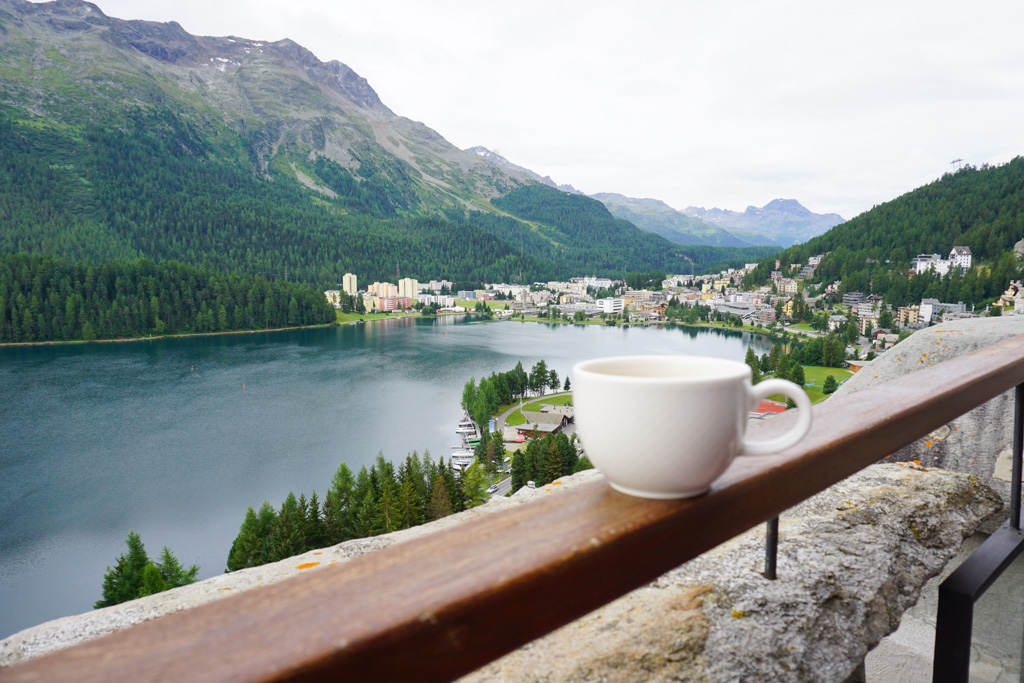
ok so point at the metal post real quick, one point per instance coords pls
(1018, 425)
(771, 548)
(951, 661)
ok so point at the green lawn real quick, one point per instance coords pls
(517, 418)
(353, 317)
(814, 380)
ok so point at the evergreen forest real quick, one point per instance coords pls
(43, 298)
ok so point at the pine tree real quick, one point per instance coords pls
(755, 365)
(248, 546)
(316, 529)
(124, 581)
(473, 485)
(440, 504)
(152, 581)
(796, 376)
(782, 370)
(289, 536)
(339, 506)
(519, 473)
(171, 571)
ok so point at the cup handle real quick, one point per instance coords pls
(803, 420)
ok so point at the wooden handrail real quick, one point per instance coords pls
(445, 604)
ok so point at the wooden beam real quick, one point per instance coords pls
(445, 604)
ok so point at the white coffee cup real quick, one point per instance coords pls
(667, 426)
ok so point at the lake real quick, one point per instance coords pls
(174, 438)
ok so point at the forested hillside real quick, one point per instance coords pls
(981, 208)
(155, 189)
(42, 298)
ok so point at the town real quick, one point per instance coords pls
(788, 305)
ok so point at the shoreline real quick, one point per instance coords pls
(162, 336)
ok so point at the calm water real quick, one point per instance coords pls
(175, 438)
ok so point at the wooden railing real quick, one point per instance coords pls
(447, 603)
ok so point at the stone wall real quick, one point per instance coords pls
(978, 442)
(851, 560)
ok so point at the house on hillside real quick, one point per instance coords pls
(836, 321)
(960, 257)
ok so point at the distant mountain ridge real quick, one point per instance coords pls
(653, 215)
(781, 222)
(497, 159)
(784, 222)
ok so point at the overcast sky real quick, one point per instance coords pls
(840, 105)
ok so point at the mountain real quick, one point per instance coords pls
(275, 102)
(498, 160)
(653, 215)
(781, 221)
(982, 209)
(129, 139)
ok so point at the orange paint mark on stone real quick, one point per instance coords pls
(926, 443)
(307, 565)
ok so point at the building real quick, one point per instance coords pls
(439, 300)
(836, 321)
(349, 284)
(333, 297)
(908, 315)
(923, 262)
(383, 289)
(960, 257)
(611, 306)
(539, 424)
(853, 298)
(932, 310)
(408, 288)
(393, 303)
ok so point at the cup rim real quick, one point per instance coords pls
(728, 368)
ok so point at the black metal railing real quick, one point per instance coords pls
(963, 588)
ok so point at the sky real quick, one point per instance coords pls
(840, 105)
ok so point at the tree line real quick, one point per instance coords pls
(134, 575)
(546, 459)
(378, 500)
(482, 400)
(47, 299)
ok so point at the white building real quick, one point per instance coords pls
(349, 283)
(408, 287)
(612, 306)
(960, 257)
(933, 262)
(439, 300)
